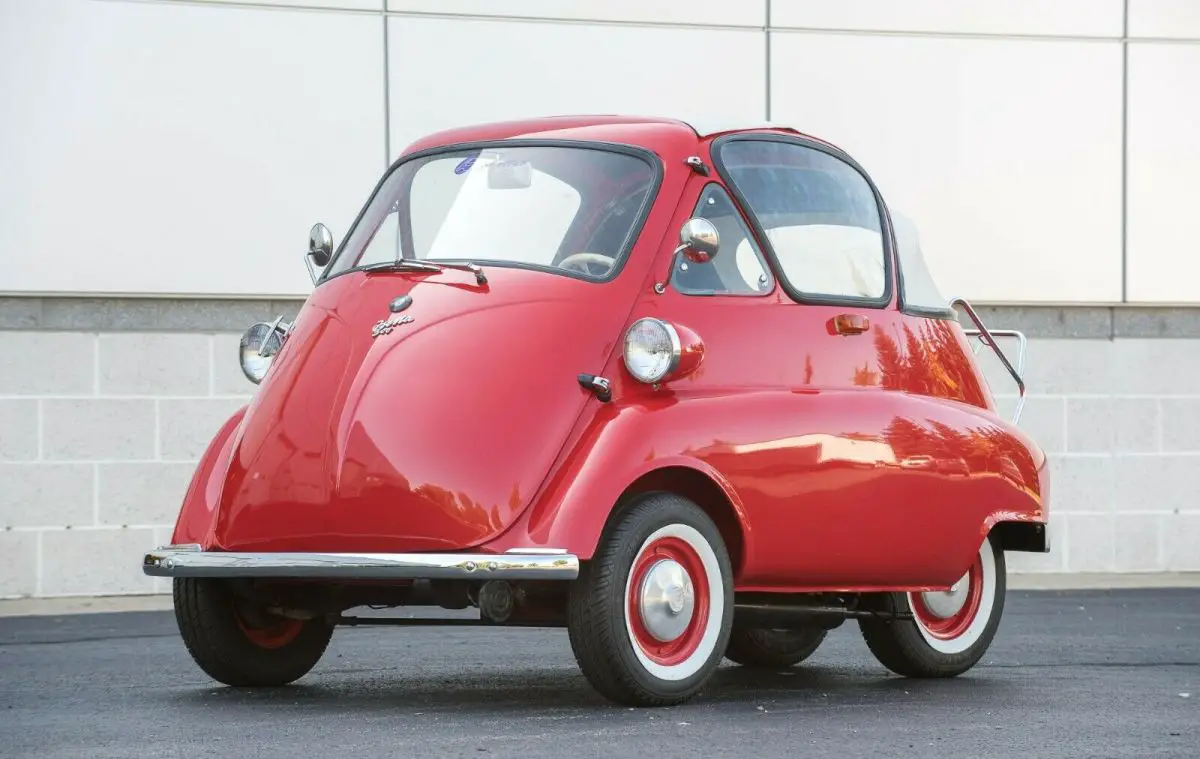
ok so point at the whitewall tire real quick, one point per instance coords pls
(950, 630)
(650, 614)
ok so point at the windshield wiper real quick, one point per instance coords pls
(480, 277)
(400, 264)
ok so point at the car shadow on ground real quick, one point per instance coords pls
(515, 692)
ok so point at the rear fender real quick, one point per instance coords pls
(198, 514)
(762, 465)
(1026, 532)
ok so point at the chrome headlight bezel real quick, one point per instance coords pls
(258, 347)
(668, 349)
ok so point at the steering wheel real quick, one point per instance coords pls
(582, 262)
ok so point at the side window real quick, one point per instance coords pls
(738, 268)
(918, 290)
(819, 215)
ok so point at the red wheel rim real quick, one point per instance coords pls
(949, 628)
(276, 635)
(678, 650)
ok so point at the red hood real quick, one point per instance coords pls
(434, 436)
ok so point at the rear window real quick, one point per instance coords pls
(918, 290)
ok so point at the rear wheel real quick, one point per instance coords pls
(950, 630)
(772, 649)
(238, 644)
(649, 616)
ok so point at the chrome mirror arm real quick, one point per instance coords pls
(699, 241)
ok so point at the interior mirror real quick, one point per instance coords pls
(509, 175)
(699, 240)
(320, 245)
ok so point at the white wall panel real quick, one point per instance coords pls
(1178, 19)
(1057, 17)
(1006, 154)
(448, 73)
(172, 148)
(1164, 164)
(741, 13)
(364, 5)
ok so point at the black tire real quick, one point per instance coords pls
(764, 648)
(206, 612)
(599, 623)
(901, 646)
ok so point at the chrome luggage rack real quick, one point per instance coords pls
(988, 337)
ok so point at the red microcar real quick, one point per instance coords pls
(689, 393)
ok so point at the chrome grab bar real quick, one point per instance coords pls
(988, 337)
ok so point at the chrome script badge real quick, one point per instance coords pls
(387, 325)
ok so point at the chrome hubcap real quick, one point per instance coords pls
(666, 600)
(944, 604)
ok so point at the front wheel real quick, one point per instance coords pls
(950, 630)
(650, 614)
(239, 645)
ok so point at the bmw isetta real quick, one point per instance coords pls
(690, 393)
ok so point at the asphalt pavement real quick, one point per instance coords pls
(1071, 674)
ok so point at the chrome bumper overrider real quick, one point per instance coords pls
(516, 564)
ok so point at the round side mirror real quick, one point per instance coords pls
(699, 240)
(320, 245)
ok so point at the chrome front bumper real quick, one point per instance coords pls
(515, 564)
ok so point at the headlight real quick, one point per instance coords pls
(259, 345)
(651, 349)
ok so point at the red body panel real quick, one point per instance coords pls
(854, 461)
(200, 504)
(414, 440)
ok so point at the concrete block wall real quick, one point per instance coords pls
(1113, 397)
(106, 405)
(105, 408)
(99, 435)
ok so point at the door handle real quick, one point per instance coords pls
(851, 324)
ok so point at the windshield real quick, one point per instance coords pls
(572, 210)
